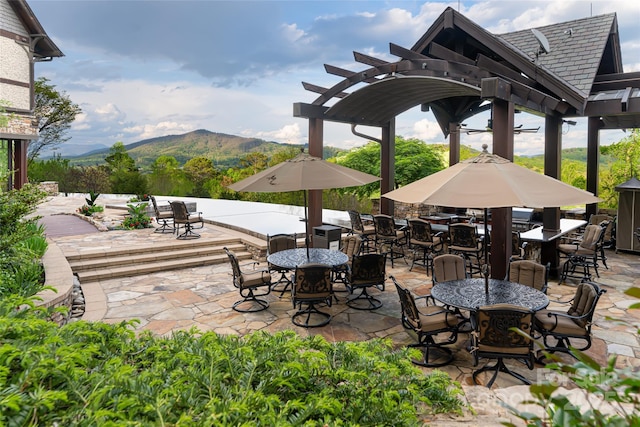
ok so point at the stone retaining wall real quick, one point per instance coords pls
(59, 276)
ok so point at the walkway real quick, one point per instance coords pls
(202, 298)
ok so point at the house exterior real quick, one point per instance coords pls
(23, 42)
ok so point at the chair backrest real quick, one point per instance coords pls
(238, 279)
(493, 333)
(410, 313)
(368, 268)
(516, 248)
(420, 231)
(180, 212)
(598, 219)
(529, 273)
(312, 281)
(593, 233)
(463, 235)
(385, 225)
(281, 242)
(584, 302)
(449, 267)
(356, 221)
(155, 205)
(351, 245)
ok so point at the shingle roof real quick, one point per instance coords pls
(577, 48)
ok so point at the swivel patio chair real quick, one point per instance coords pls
(582, 254)
(609, 239)
(449, 267)
(350, 245)
(367, 271)
(277, 243)
(424, 242)
(389, 239)
(311, 286)
(464, 240)
(183, 218)
(249, 284)
(493, 338)
(164, 218)
(366, 232)
(426, 324)
(572, 325)
(529, 273)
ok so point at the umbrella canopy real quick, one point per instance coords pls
(490, 181)
(303, 172)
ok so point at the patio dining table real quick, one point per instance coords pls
(469, 294)
(292, 258)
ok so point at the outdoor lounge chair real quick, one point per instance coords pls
(164, 218)
(350, 245)
(464, 240)
(249, 284)
(183, 218)
(494, 338)
(427, 323)
(582, 254)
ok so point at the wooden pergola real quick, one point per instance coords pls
(457, 70)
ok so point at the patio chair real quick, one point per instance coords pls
(424, 242)
(349, 245)
(517, 247)
(582, 254)
(164, 218)
(529, 273)
(367, 271)
(277, 243)
(449, 267)
(572, 325)
(183, 218)
(609, 239)
(249, 284)
(366, 232)
(311, 286)
(389, 240)
(463, 240)
(426, 324)
(493, 338)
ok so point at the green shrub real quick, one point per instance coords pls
(88, 210)
(100, 374)
(137, 218)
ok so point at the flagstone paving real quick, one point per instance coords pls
(202, 298)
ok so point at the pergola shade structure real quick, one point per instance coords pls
(457, 70)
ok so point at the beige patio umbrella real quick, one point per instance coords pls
(302, 173)
(490, 181)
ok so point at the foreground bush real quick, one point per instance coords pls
(100, 374)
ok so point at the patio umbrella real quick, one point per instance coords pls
(490, 181)
(302, 173)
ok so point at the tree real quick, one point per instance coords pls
(626, 166)
(414, 160)
(54, 112)
(119, 160)
(166, 178)
(199, 170)
(125, 177)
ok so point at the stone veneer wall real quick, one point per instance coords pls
(59, 276)
(49, 187)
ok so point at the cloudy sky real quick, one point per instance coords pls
(142, 69)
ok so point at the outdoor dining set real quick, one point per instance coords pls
(461, 300)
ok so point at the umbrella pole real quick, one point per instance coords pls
(486, 251)
(306, 224)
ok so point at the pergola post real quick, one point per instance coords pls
(454, 143)
(316, 133)
(552, 168)
(20, 162)
(593, 161)
(387, 165)
(503, 121)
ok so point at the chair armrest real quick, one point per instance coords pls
(252, 264)
(427, 298)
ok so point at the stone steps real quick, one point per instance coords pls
(112, 263)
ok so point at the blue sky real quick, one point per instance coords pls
(142, 69)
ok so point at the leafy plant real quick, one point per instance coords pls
(91, 200)
(137, 218)
(88, 210)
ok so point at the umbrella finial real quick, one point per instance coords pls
(484, 148)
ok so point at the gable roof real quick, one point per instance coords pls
(44, 47)
(580, 49)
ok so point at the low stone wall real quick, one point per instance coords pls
(59, 276)
(49, 187)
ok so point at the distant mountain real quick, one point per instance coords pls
(67, 150)
(224, 150)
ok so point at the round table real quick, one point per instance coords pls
(469, 294)
(292, 258)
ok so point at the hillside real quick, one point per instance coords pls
(225, 150)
